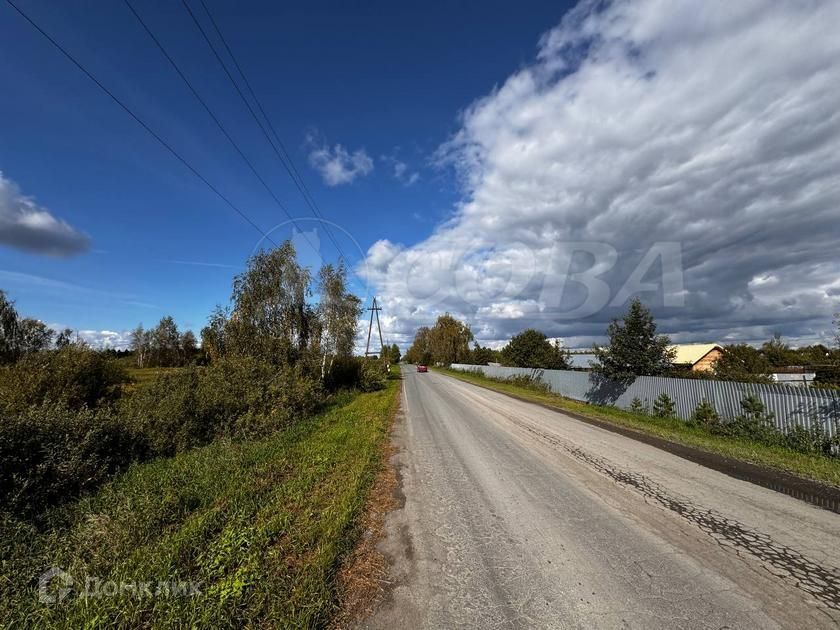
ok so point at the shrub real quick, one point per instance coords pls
(372, 376)
(343, 373)
(167, 412)
(754, 423)
(705, 415)
(663, 406)
(531, 381)
(814, 439)
(638, 407)
(51, 453)
(290, 396)
(74, 376)
(235, 397)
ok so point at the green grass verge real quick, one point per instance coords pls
(823, 469)
(261, 526)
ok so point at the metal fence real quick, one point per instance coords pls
(790, 405)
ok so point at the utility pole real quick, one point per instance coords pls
(374, 309)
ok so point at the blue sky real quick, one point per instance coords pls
(367, 76)
(516, 166)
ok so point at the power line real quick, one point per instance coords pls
(131, 113)
(253, 113)
(293, 173)
(214, 117)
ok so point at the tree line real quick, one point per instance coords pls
(20, 336)
(448, 342)
(634, 348)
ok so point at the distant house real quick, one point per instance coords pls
(697, 357)
(582, 360)
(793, 375)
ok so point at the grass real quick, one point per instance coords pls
(824, 469)
(260, 526)
(145, 376)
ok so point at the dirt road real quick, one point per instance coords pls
(518, 516)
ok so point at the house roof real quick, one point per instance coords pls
(691, 353)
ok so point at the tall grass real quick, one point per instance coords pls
(260, 525)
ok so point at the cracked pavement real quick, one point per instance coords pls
(516, 516)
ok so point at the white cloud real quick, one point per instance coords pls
(337, 165)
(713, 129)
(401, 171)
(27, 226)
(117, 340)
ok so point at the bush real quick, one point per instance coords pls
(754, 423)
(290, 396)
(167, 413)
(372, 376)
(638, 407)
(52, 453)
(74, 376)
(237, 397)
(343, 373)
(532, 382)
(663, 406)
(705, 415)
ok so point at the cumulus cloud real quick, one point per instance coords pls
(686, 154)
(27, 226)
(117, 340)
(337, 165)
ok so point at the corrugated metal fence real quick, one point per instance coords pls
(790, 405)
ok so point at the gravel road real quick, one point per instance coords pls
(516, 516)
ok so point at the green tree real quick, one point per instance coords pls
(213, 335)
(139, 343)
(480, 355)
(532, 349)
(664, 406)
(165, 348)
(271, 318)
(705, 414)
(339, 311)
(418, 352)
(634, 348)
(778, 353)
(638, 407)
(9, 335)
(817, 354)
(64, 338)
(189, 347)
(449, 340)
(742, 363)
(33, 335)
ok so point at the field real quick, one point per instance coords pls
(251, 532)
(815, 467)
(145, 376)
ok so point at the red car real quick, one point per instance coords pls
(422, 368)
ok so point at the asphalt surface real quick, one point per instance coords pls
(516, 516)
